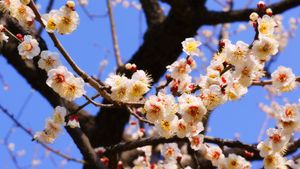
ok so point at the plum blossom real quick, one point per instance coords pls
(283, 79)
(49, 60)
(190, 46)
(29, 48)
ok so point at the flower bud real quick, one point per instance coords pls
(269, 11)
(253, 16)
(261, 5)
(70, 5)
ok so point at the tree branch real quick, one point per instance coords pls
(217, 17)
(233, 145)
(114, 35)
(154, 13)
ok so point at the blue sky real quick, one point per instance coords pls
(88, 45)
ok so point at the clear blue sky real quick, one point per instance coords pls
(88, 46)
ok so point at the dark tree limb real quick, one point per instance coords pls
(153, 12)
(217, 17)
(233, 146)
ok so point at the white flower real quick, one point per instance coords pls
(214, 154)
(52, 128)
(235, 90)
(183, 128)
(170, 152)
(23, 14)
(73, 121)
(138, 86)
(264, 47)
(166, 127)
(119, 86)
(283, 79)
(42, 137)
(57, 78)
(29, 48)
(265, 148)
(246, 71)
(59, 115)
(266, 25)
(68, 20)
(274, 161)
(190, 46)
(73, 88)
(212, 96)
(142, 76)
(179, 69)
(290, 113)
(235, 162)
(49, 60)
(278, 139)
(193, 109)
(237, 53)
(169, 103)
(154, 109)
(50, 20)
(196, 142)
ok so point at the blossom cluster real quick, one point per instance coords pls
(59, 79)
(174, 156)
(52, 127)
(65, 83)
(64, 21)
(231, 71)
(273, 148)
(129, 89)
(19, 10)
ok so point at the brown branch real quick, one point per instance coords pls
(268, 82)
(153, 12)
(141, 119)
(90, 100)
(27, 131)
(114, 35)
(87, 103)
(232, 145)
(217, 17)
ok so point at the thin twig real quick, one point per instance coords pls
(86, 103)
(133, 112)
(114, 35)
(268, 82)
(95, 103)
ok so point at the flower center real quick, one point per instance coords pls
(27, 47)
(59, 78)
(282, 77)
